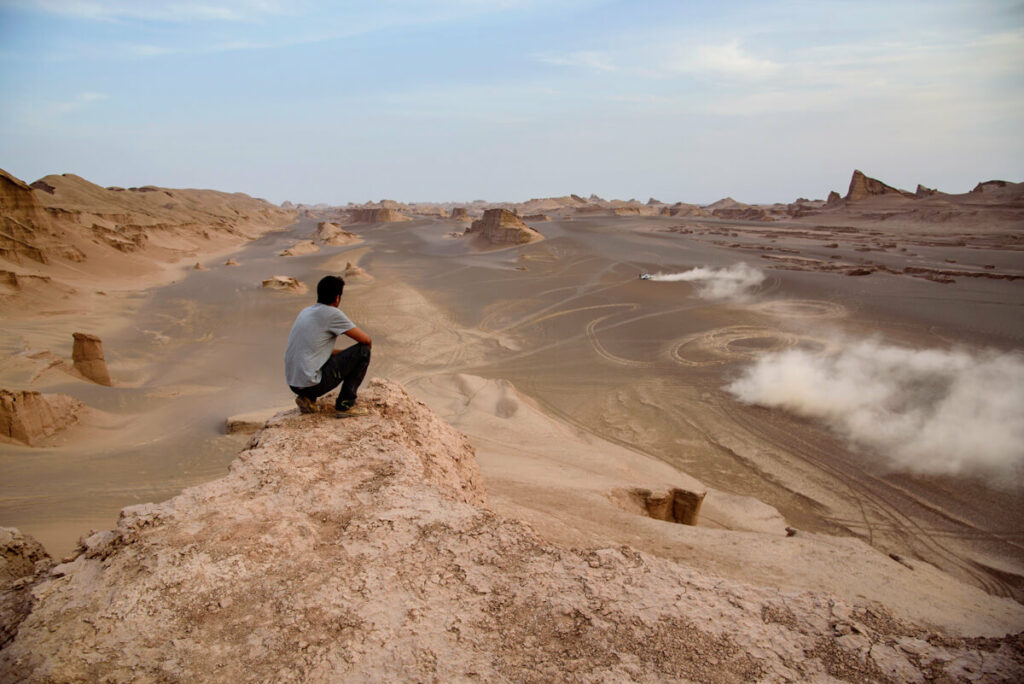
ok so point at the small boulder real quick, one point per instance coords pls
(285, 284)
(199, 267)
(89, 360)
(248, 423)
(230, 262)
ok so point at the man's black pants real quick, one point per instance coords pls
(346, 368)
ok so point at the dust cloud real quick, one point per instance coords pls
(927, 411)
(732, 282)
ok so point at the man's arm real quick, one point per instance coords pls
(360, 336)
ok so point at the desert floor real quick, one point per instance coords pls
(576, 381)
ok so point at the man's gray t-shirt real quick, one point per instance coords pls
(311, 342)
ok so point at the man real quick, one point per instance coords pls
(312, 366)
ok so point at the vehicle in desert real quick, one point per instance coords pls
(645, 276)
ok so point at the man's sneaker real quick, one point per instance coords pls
(305, 404)
(351, 412)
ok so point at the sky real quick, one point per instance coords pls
(506, 100)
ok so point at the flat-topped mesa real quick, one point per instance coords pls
(384, 215)
(502, 227)
(459, 214)
(89, 360)
(862, 187)
(30, 417)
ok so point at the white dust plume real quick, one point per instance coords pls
(731, 282)
(927, 411)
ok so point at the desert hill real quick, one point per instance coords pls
(66, 232)
(364, 550)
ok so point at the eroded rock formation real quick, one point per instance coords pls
(22, 561)
(363, 550)
(383, 215)
(862, 187)
(285, 284)
(31, 417)
(22, 221)
(88, 358)
(502, 227)
(333, 234)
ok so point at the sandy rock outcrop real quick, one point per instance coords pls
(22, 561)
(363, 550)
(30, 418)
(537, 217)
(459, 214)
(287, 284)
(333, 234)
(300, 248)
(382, 215)
(862, 187)
(502, 227)
(230, 262)
(88, 358)
(22, 221)
(834, 198)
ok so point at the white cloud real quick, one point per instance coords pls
(728, 59)
(82, 100)
(587, 59)
(160, 10)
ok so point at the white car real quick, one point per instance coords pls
(645, 276)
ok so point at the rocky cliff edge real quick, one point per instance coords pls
(364, 550)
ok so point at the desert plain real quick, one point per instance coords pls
(822, 396)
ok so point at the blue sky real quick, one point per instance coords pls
(512, 99)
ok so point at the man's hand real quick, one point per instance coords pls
(360, 336)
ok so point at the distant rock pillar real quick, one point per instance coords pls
(88, 357)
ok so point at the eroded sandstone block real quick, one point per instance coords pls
(502, 227)
(30, 417)
(89, 360)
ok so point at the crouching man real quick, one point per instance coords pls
(312, 366)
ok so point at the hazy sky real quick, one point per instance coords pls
(512, 99)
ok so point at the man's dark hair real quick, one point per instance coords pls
(328, 289)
